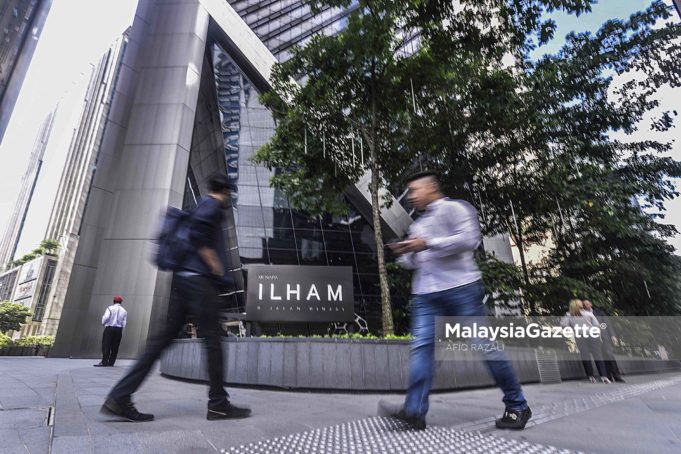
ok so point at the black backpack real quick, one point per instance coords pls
(174, 241)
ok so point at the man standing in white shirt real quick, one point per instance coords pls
(114, 320)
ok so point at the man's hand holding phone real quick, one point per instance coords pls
(406, 246)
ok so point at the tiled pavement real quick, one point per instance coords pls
(640, 416)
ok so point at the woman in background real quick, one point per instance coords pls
(577, 317)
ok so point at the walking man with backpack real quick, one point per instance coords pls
(114, 320)
(200, 269)
(446, 282)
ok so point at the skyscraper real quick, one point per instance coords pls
(12, 233)
(21, 22)
(185, 106)
(79, 169)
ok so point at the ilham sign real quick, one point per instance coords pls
(290, 293)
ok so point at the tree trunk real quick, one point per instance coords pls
(386, 306)
(374, 185)
(526, 275)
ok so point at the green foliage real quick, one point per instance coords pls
(352, 336)
(47, 247)
(45, 341)
(529, 142)
(350, 117)
(5, 340)
(12, 315)
(531, 145)
(502, 280)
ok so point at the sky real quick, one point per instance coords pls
(78, 32)
(670, 99)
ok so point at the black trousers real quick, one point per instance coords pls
(111, 340)
(609, 360)
(197, 297)
(591, 347)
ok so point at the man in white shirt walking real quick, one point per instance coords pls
(446, 282)
(114, 320)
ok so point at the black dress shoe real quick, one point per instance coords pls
(125, 409)
(514, 419)
(100, 364)
(227, 411)
(397, 412)
(619, 379)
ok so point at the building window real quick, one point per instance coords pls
(44, 291)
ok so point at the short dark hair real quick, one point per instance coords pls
(219, 183)
(425, 174)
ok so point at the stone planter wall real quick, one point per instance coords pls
(370, 365)
(30, 350)
(633, 365)
(358, 365)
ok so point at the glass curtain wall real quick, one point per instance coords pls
(268, 231)
(282, 24)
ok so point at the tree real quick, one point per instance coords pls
(350, 116)
(530, 144)
(607, 238)
(475, 123)
(12, 316)
(47, 247)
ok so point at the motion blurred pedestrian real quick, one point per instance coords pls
(447, 282)
(201, 274)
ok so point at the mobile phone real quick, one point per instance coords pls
(396, 244)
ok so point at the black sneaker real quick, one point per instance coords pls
(100, 364)
(514, 419)
(397, 412)
(619, 379)
(125, 410)
(227, 411)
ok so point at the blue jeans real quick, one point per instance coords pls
(459, 301)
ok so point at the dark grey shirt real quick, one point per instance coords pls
(207, 231)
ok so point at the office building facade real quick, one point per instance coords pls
(185, 106)
(21, 22)
(12, 233)
(79, 169)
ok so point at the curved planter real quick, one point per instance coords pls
(359, 365)
(30, 350)
(343, 364)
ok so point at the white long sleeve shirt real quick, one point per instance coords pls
(115, 316)
(452, 234)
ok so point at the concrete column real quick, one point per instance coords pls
(141, 170)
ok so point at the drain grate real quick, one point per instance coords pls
(385, 436)
(50, 417)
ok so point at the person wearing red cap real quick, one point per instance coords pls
(114, 320)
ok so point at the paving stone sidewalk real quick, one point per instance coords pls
(52, 406)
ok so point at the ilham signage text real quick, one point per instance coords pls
(290, 293)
